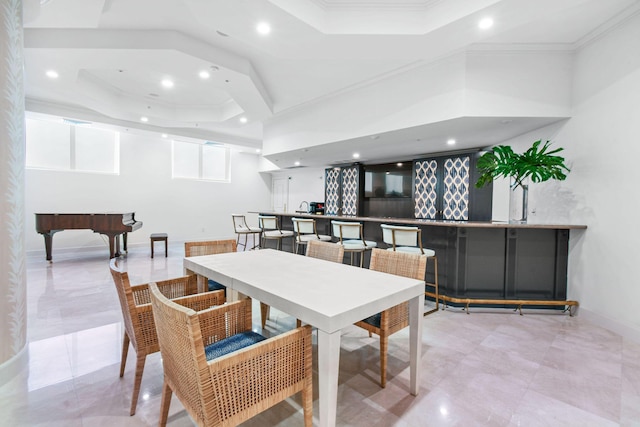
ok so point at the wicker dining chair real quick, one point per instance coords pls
(210, 247)
(395, 318)
(316, 249)
(139, 327)
(323, 250)
(222, 372)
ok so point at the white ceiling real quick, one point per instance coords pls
(111, 56)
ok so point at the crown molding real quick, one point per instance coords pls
(608, 26)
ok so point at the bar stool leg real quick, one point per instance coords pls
(435, 285)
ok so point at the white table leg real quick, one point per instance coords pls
(328, 366)
(416, 310)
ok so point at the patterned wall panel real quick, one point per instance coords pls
(425, 189)
(456, 188)
(13, 307)
(332, 191)
(350, 190)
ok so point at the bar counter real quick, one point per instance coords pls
(481, 261)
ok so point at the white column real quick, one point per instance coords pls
(13, 306)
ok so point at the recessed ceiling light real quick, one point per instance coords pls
(297, 163)
(204, 74)
(164, 135)
(144, 119)
(263, 28)
(167, 83)
(258, 150)
(243, 120)
(52, 74)
(356, 155)
(485, 23)
(451, 141)
(398, 164)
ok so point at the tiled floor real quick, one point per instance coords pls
(482, 369)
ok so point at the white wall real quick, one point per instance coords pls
(518, 83)
(185, 209)
(305, 184)
(600, 142)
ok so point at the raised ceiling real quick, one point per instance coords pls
(112, 55)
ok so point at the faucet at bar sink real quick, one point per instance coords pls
(306, 205)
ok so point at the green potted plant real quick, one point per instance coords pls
(537, 164)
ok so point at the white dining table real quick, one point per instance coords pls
(327, 295)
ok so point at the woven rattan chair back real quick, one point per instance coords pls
(210, 247)
(395, 318)
(229, 390)
(325, 250)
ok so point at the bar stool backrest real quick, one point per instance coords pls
(239, 223)
(347, 230)
(268, 222)
(397, 235)
(304, 225)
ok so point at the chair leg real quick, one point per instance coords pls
(264, 313)
(384, 344)
(435, 263)
(165, 402)
(307, 402)
(136, 382)
(125, 352)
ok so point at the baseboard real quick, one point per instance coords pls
(622, 329)
(15, 365)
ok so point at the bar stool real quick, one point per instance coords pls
(159, 237)
(409, 239)
(305, 229)
(242, 229)
(271, 231)
(352, 238)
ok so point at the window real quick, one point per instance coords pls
(209, 161)
(66, 147)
